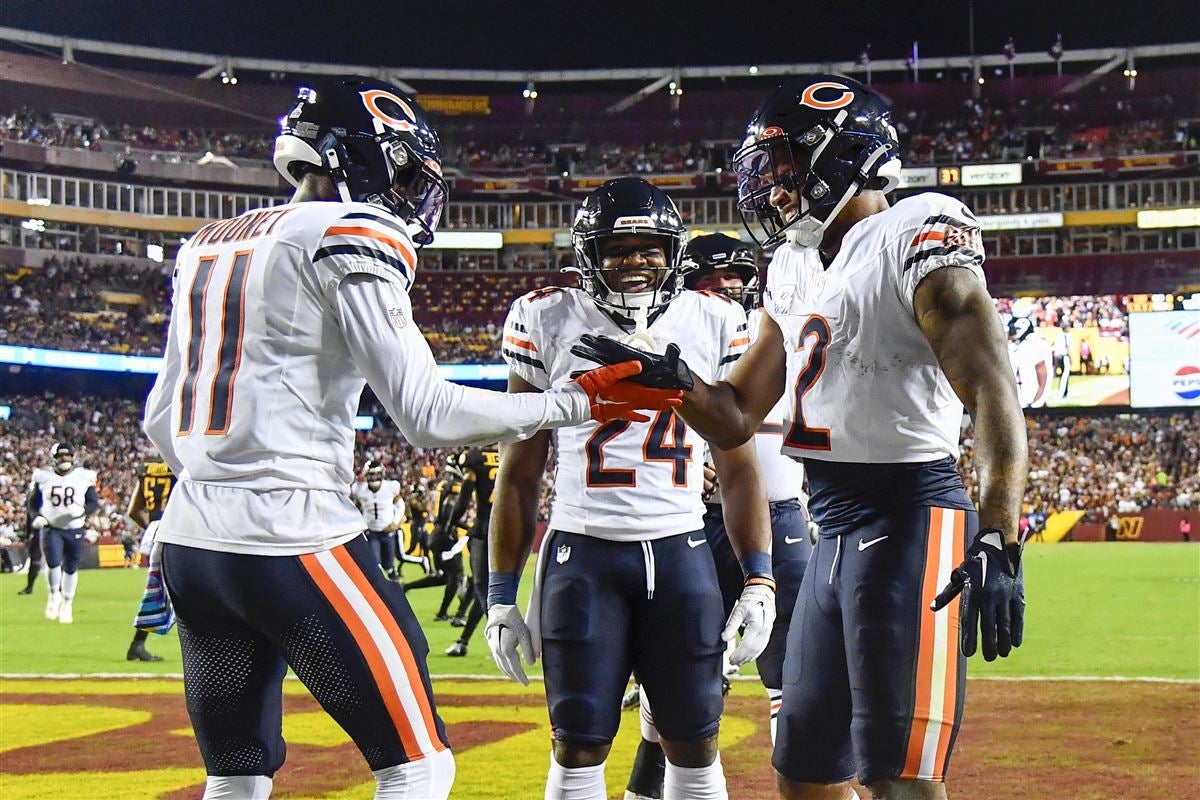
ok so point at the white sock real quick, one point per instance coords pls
(695, 783)
(646, 718)
(429, 778)
(69, 581)
(775, 698)
(237, 787)
(580, 783)
(54, 578)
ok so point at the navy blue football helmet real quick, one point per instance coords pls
(62, 457)
(710, 252)
(375, 141)
(824, 137)
(628, 206)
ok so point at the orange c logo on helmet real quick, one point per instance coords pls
(371, 100)
(770, 132)
(809, 97)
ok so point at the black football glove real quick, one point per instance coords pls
(992, 584)
(667, 371)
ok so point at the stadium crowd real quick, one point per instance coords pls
(1098, 465)
(1104, 312)
(1107, 465)
(974, 130)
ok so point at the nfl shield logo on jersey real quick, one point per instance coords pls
(397, 318)
(564, 552)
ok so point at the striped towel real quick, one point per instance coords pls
(155, 614)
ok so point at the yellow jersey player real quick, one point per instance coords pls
(146, 506)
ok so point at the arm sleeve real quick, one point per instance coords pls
(950, 236)
(735, 339)
(34, 502)
(519, 348)
(431, 412)
(157, 422)
(91, 501)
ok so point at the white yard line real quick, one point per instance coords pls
(71, 676)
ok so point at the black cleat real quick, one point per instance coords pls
(726, 686)
(457, 649)
(26, 590)
(458, 622)
(138, 652)
(441, 618)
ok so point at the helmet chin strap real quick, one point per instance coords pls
(335, 167)
(810, 231)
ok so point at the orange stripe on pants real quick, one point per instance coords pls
(362, 637)
(928, 682)
(950, 705)
(397, 636)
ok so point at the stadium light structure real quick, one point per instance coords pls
(212, 63)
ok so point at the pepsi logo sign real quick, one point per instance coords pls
(1186, 383)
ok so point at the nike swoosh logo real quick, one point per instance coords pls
(694, 544)
(790, 540)
(864, 545)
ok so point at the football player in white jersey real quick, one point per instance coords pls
(879, 329)
(61, 498)
(1032, 362)
(723, 265)
(624, 579)
(281, 316)
(379, 502)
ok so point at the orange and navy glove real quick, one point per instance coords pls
(612, 397)
(665, 371)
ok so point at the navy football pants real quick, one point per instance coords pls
(346, 631)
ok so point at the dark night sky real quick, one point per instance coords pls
(589, 33)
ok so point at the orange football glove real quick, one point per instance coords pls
(613, 397)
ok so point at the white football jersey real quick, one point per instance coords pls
(63, 496)
(281, 316)
(863, 384)
(1026, 356)
(782, 475)
(626, 481)
(378, 507)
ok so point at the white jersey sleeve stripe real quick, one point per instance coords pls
(942, 235)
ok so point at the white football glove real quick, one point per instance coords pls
(506, 631)
(755, 611)
(39, 522)
(90, 536)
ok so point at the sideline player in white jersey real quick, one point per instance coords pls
(624, 580)
(379, 501)
(726, 266)
(281, 316)
(61, 497)
(1032, 362)
(879, 330)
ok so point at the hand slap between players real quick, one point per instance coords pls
(666, 371)
(613, 397)
(992, 583)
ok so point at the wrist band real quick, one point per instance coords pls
(757, 564)
(502, 589)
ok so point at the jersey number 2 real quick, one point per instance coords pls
(801, 436)
(664, 442)
(229, 353)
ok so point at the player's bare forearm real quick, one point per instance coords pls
(743, 499)
(729, 412)
(517, 495)
(960, 322)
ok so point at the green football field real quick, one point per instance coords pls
(1111, 609)
(1091, 390)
